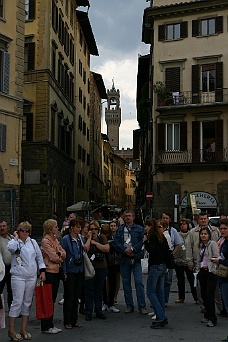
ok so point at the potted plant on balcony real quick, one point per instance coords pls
(162, 92)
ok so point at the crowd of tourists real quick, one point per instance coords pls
(116, 250)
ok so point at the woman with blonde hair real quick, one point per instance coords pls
(26, 257)
(53, 255)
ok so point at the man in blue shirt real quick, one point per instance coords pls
(128, 242)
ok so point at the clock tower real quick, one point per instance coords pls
(113, 116)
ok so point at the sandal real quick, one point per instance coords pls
(26, 336)
(77, 325)
(68, 326)
(14, 336)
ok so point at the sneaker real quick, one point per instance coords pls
(154, 317)
(61, 301)
(129, 310)
(57, 329)
(143, 311)
(151, 313)
(204, 320)
(179, 301)
(104, 307)
(50, 331)
(210, 324)
(113, 309)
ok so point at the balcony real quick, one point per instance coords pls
(188, 157)
(189, 98)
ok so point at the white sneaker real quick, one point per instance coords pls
(151, 313)
(113, 309)
(61, 301)
(50, 331)
(104, 307)
(153, 317)
(57, 329)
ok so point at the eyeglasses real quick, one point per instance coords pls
(93, 229)
(23, 230)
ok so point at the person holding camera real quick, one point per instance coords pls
(73, 270)
(94, 287)
(53, 255)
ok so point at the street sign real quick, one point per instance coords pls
(149, 196)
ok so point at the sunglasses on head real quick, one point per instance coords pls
(23, 230)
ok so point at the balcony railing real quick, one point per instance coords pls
(193, 157)
(186, 98)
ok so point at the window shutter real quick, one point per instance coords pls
(31, 56)
(195, 83)
(5, 72)
(219, 24)
(195, 141)
(161, 137)
(31, 9)
(161, 32)
(184, 29)
(219, 140)
(172, 79)
(183, 136)
(2, 138)
(195, 28)
(219, 82)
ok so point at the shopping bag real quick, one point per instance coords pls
(44, 302)
(2, 313)
(89, 271)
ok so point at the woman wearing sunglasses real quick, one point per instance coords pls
(94, 287)
(26, 256)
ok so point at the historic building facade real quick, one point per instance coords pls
(11, 106)
(189, 102)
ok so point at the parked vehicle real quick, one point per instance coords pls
(214, 221)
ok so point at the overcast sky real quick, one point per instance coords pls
(117, 28)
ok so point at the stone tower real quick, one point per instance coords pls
(113, 116)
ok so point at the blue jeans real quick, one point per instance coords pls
(224, 292)
(168, 283)
(94, 291)
(126, 268)
(155, 290)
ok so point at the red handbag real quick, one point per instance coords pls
(44, 302)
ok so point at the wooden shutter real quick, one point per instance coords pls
(183, 136)
(195, 141)
(5, 72)
(195, 28)
(161, 32)
(219, 82)
(219, 140)
(32, 7)
(31, 56)
(219, 24)
(161, 137)
(29, 126)
(184, 29)
(195, 83)
(3, 138)
(172, 79)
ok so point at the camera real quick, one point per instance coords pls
(78, 262)
(99, 257)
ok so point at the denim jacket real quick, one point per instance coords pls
(137, 233)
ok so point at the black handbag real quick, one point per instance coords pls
(170, 261)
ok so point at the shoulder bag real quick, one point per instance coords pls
(89, 271)
(222, 271)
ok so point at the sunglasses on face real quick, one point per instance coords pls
(160, 226)
(93, 228)
(23, 230)
(182, 223)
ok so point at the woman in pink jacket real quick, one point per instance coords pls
(53, 255)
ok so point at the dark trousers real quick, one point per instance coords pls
(93, 291)
(108, 298)
(208, 282)
(7, 280)
(54, 279)
(72, 292)
(180, 272)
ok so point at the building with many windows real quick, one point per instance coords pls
(188, 102)
(11, 106)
